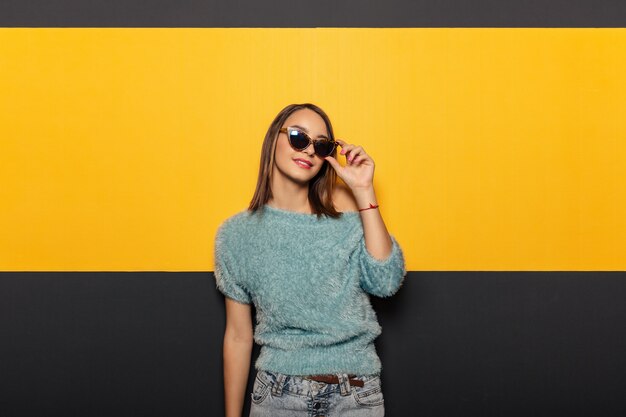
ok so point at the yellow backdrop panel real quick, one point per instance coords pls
(495, 149)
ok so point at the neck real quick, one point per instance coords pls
(289, 195)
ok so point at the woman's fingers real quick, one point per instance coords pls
(345, 147)
(354, 154)
(350, 151)
(359, 158)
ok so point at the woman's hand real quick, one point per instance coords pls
(358, 173)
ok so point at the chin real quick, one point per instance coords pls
(304, 176)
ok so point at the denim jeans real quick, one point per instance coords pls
(280, 395)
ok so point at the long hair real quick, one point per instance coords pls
(320, 187)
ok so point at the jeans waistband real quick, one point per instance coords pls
(302, 384)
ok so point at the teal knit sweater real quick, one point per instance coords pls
(309, 280)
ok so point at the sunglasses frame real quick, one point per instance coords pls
(288, 128)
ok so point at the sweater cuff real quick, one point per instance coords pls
(384, 277)
(232, 290)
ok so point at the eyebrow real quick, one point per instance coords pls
(305, 129)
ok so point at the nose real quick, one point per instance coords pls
(309, 150)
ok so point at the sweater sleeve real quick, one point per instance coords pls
(382, 278)
(225, 267)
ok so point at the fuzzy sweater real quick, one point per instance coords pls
(309, 280)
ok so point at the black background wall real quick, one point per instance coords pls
(453, 343)
(325, 13)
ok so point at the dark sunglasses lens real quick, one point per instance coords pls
(323, 147)
(298, 139)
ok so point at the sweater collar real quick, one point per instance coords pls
(303, 217)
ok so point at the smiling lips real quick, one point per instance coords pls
(303, 163)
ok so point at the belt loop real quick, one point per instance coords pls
(277, 389)
(344, 384)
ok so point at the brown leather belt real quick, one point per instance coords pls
(334, 379)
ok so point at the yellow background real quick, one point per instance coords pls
(495, 149)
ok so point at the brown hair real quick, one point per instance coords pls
(320, 187)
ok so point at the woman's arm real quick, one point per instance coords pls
(238, 341)
(380, 257)
(358, 175)
(377, 239)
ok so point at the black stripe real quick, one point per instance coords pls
(289, 13)
(453, 344)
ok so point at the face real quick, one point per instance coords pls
(285, 157)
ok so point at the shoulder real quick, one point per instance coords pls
(230, 227)
(343, 199)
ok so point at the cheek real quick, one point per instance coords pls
(283, 149)
(283, 156)
(319, 167)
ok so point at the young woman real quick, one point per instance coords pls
(306, 252)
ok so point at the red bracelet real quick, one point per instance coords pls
(370, 207)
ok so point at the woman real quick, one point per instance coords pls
(306, 252)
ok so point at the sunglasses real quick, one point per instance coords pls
(300, 140)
